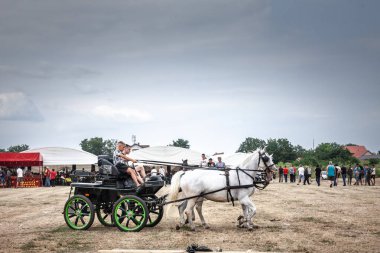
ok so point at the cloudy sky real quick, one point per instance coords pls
(212, 72)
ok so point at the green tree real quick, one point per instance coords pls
(251, 144)
(373, 161)
(18, 148)
(281, 149)
(109, 146)
(98, 146)
(334, 152)
(3, 150)
(182, 143)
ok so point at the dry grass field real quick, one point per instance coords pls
(291, 218)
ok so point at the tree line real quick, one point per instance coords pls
(282, 149)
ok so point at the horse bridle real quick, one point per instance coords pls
(265, 159)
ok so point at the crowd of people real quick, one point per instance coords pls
(361, 174)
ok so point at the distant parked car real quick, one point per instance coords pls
(324, 175)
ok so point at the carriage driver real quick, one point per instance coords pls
(141, 175)
(121, 162)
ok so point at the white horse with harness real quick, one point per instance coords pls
(222, 186)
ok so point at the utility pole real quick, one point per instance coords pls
(134, 139)
(313, 143)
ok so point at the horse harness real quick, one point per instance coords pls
(255, 181)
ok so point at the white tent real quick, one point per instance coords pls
(168, 154)
(232, 160)
(64, 156)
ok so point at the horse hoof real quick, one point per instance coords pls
(206, 226)
(192, 229)
(250, 228)
(177, 227)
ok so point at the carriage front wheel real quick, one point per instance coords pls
(156, 212)
(79, 212)
(104, 214)
(130, 213)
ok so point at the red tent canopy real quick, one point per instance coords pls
(10, 159)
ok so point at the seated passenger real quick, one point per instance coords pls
(120, 160)
(141, 175)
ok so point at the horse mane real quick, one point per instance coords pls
(247, 160)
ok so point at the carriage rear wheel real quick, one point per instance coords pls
(130, 214)
(155, 212)
(79, 212)
(104, 214)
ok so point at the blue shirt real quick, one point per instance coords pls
(331, 171)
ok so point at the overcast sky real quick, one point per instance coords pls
(212, 72)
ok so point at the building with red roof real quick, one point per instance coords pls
(359, 152)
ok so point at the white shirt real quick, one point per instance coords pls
(373, 171)
(161, 171)
(20, 173)
(153, 172)
(203, 163)
(301, 171)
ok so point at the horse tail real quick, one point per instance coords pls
(175, 186)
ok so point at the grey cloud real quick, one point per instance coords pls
(18, 107)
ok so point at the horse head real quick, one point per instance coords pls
(266, 163)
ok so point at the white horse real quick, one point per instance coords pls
(200, 181)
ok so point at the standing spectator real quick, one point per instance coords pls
(286, 171)
(309, 171)
(20, 177)
(2, 177)
(331, 173)
(365, 175)
(280, 174)
(361, 174)
(203, 163)
(9, 178)
(318, 175)
(301, 174)
(292, 173)
(373, 175)
(53, 176)
(337, 173)
(368, 176)
(47, 177)
(350, 172)
(357, 174)
(210, 163)
(220, 164)
(307, 176)
(344, 174)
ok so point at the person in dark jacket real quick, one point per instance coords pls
(344, 174)
(307, 176)
(280, 174)
(318, 175)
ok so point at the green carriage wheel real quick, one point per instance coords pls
(79, 212)
(104, 214)
(155, 212)
(130, 214)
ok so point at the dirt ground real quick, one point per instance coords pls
(291, 218)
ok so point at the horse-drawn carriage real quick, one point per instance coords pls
(115, 200)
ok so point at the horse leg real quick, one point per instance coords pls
(199, 210)
(181, 210)
(242, 218)
(251, 211)
(189, 212)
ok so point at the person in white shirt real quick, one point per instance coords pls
(139, 168)
(161, 172)
(20, 177)
(204, 161)
(373, 175)
(153, 172)
(301, 174)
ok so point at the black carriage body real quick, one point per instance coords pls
(106, 192)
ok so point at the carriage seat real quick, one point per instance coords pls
(106, 166)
